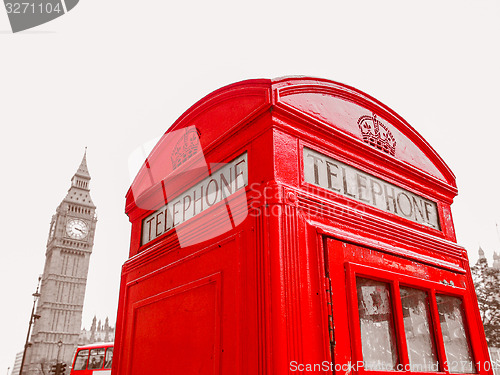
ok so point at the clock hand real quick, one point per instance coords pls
(78, 229)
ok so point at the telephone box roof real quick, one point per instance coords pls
(339, 109)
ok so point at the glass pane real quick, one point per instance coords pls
(109, 358)
(456, 343)
(419, 339)
(96, 358)
(377, 325)
(81, 360)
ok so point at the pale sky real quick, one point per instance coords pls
(113, 75)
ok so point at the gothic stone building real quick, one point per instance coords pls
(98, 332)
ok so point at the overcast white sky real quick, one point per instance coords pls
(112, 75)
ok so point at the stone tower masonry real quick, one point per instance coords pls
(62, 293)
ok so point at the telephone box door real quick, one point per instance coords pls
(393, 314)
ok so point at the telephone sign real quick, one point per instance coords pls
(351, 182)
(211, 190)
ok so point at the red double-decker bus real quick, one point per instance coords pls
(93, 359)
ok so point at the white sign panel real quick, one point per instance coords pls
(350, 182)
(223, 183)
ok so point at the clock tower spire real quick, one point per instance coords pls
(64, 279)
(79, 192)
(82, 177)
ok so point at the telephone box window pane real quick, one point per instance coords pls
(419, 339)
(96, 358)
(81, 360)
(456, 343)
(377, 325)
(109, 358)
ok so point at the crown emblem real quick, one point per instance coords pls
(376, 134)
(186, 147)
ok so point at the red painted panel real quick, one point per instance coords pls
(178, 321)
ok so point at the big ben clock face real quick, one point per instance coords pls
(77, 229)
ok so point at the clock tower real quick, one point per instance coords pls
(64, 279)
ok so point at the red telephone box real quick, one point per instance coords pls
(295, 225)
